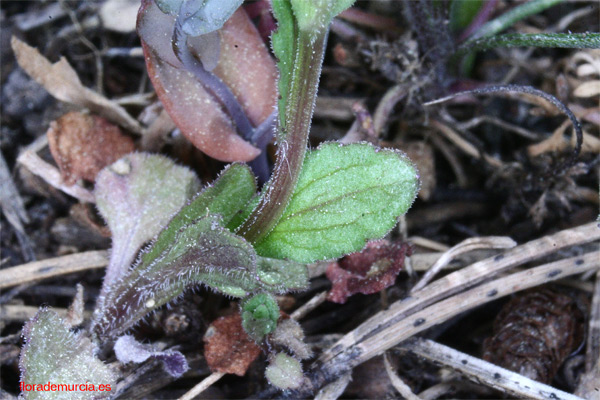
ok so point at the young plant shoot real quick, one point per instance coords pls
(317, 205)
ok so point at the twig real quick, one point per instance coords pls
(51, 175)
(402, 388)
(491, 242)
(202, 386)
(52, 267)
(484, 372)
(386, 106)
(310, 305)
(428, 243)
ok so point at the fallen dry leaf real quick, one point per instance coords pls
(62, 82)
(588, 89)
(227, 347)
(368, 271)
(83, 144)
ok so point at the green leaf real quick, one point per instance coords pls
(53, 354)
(283, 42)
(227, 197)
(260, 314)
(281, 276)
(315, 16)
(284, 372)
(137, 195)
(200, 252)
(345, 196)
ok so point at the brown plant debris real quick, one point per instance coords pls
(368, 271)
(83, 144)
(228, 348)
(534, 333)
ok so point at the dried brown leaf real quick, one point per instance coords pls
(83, 144)
(228, 348)
(368, 271)
(62, 82)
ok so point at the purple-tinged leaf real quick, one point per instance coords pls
(53, 354)
(127, 349)
(137, 196)
(200, 252)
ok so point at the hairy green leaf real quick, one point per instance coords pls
(345, 195)
(137, 195)
(260, 314)
(227, 197)
(201, 251)
(53, 354)
(284, 372)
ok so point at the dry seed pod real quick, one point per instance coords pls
(534, 333)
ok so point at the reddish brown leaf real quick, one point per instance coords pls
(369, 271)
(83, 144)
(227, 347)
(244, 65)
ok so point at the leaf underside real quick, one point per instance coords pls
(345, 196)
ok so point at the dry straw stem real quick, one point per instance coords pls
(484, 372)
(51, 175)
(202, 386)
(415, 314)
(38, 270)
(491, 242)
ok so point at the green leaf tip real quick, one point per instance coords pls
(315, 16)
(259, 315)
(53, 354)
(345, 196)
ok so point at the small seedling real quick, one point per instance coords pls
(317, 205)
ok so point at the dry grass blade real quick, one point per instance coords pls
(202, 386)
(18, 312)
(62, 82)
(492, 242)
(52, 267)
(484, 372)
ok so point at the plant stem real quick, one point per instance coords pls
(290, 153)
(561, 40)
(510, 17)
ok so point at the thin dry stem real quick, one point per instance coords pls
(491, 242)
(402, 388)
(39, 270)
(202, 386)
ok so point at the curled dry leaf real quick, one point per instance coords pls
(83, 144)
(368, 271)
(228, 348)
(244, 65)
(62, 82)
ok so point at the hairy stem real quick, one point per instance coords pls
(291, 151)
